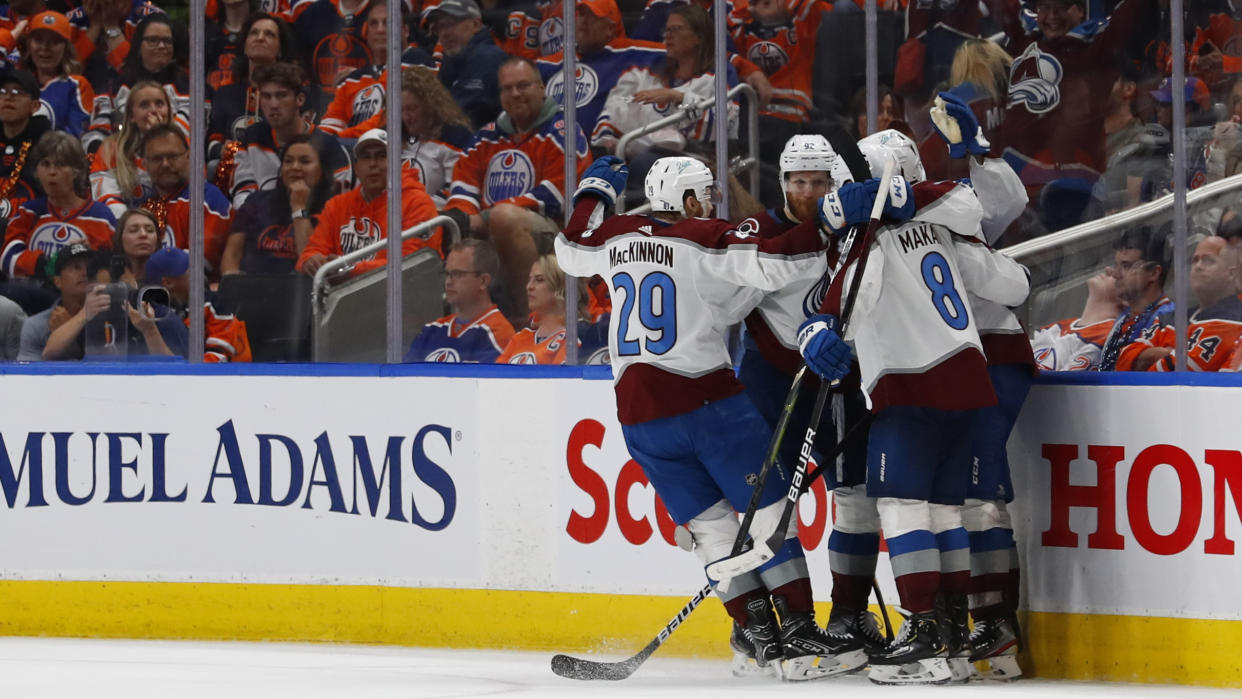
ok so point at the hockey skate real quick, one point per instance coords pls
(955, 624)
(859, 624)
(810, 653)
(994, 649)
(757, 647)
(917, 656)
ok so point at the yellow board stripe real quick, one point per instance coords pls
(1065, 646)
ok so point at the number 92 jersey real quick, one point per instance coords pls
(912, 327)
(675, 290)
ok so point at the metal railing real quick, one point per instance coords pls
(682, 115)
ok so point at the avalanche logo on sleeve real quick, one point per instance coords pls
(510, 173)
(1035, 80)
(769, 56)
(51, 237)
(367, 103)
(586, 85)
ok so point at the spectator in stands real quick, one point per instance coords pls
(65, 214)
(48, 53)
(544, 341)
(360, 95)
(108, 27)
(267, 229)
(471, 58)
(69, 275)
(359, 217)
(117, 176)
(1075, 344)
(686, 79)
(1139, 272)
(281, 100)
(166, 154)
(1153, 177)
(12, 319)
(137, 237)
(21, 126)
(226, 337)
(225, 36)
(1128, 143)
(532, 30)
(476, 331)
(161, 54)
(330, 42)
(604, 54)
(508, 186)
(1215, 326)
(235, 105)
(889, 109)
(435, 129)
(1122, 125)
(15, 21)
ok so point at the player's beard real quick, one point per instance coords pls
(801, 209)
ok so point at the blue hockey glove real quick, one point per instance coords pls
(849, 205)
(899, 205)
(956, 123)
(822, 348)
(604, 178)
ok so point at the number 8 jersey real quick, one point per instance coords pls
(676, 288)
(912, 327)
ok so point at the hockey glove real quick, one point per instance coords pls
(899, 205)
(604, 178)
(956, 123)
(848, 205)
(822, 348)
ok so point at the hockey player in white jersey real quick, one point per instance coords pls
(923, 368)
(678, 280)
(994, 644)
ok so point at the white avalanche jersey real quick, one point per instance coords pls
(676, 288)
(912, 328)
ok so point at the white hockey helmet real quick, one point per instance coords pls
(669, 178)
(891, 144)
(812, 152)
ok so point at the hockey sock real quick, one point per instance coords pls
(912, 550)
(853, 547)
(993, 556)
(786, 568)
(736, 606)
(954, 547)
(797, 595)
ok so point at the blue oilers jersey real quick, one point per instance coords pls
(443, 340)
(597, 73)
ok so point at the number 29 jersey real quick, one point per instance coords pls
(676, 288)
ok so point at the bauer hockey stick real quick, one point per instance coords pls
(763, 551)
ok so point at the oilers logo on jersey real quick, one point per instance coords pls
(241, 123)
(45, 110)
(551, 36)
(510, 173)
(367, 103)
(359, 233)
(586, 85)
(1035, 80)
(599, 357)
(523, 358)
(50, 238)
(769, 56)
(446, 355)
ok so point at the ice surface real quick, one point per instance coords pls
(35, 668)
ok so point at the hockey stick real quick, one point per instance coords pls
(763, 551)
(879, 598)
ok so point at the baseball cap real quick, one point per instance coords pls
(456, 8)
(166, 262)
(372, 136)
(52, 21)
(604, 8)
(1195, 91)
(68, 253)
(24, 80)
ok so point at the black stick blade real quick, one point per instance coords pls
(582, 669)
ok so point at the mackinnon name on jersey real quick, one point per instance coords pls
(642, 251)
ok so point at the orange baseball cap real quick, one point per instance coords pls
(605, 8)
(52, 21)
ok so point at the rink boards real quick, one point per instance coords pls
(497, 507)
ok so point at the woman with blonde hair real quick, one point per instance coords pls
(985, 64)
(117, 177)
(544, 341)
(980, 76)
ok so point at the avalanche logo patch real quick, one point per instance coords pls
(510, 173)
(814, 299)
(51, 237)
(444, 355)
(769, 56)
(367, 103)
(551, 36)
(1035, 80)
(586, 85)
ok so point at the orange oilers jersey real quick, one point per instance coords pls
(526, 348)
(38, 230)
(1070, 345)
(785, 53)
(348, 223)
(1212, 340)
(227, 339)
(138, 10)
(360, 96)
(329, 39)
(535, 33)
(173, 215)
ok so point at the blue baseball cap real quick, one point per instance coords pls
(166, 262)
